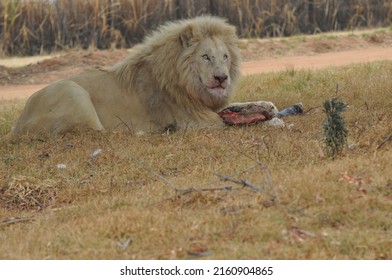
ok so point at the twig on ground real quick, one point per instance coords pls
(175, 188)
(191, 190)
(223, 188)
(268, 178)
(272, 192)
(14, 220)
(242, 182)
(160, 177)
(124, 123)
(311, 109)
(389, 137)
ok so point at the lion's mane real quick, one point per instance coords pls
(163, 61)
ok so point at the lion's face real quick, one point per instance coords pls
(211, 63)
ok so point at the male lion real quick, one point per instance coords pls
(180, 76)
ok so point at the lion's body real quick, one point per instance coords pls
(91, 100)
(180, 76)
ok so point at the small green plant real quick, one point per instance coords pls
(335, 131)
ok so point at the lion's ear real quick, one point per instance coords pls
(186, 36)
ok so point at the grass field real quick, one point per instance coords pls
(160, 196)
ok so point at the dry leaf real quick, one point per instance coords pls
(177, 253)
(354, 180)
(96, 153)
(124, 245)
(300, 234)
(197, 250)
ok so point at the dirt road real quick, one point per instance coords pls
(317, 61)
(261, 66)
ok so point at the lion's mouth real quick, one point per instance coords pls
(220, 89)
(218, 86)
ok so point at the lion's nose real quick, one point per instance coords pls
(221, 78)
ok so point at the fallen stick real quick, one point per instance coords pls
(242, 182)
(389, 137)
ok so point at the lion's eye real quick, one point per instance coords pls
(205, 57)
(225, 57)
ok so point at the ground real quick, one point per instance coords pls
(249, 192)
(20, 77)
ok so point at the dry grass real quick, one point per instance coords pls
(119, 205)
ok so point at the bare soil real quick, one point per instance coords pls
(20, 77)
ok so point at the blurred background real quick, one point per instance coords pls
(30, 27)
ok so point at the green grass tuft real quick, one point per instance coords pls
(335, 131)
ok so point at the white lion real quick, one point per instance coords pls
(180, 76)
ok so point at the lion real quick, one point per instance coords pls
(180, 76)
